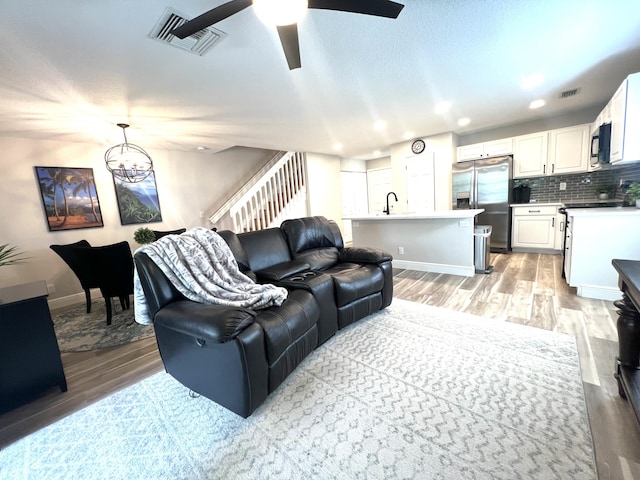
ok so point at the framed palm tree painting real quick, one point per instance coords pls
(138, 202)
(69, 197)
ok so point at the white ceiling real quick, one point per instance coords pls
(72, 69)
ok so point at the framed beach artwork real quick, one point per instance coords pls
(138, 202)
(69, 197)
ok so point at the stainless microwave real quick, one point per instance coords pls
(601, 144)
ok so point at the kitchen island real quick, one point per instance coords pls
(438, 241)
(595, 236)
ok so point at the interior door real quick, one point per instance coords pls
(378, 185)
(420, 183)
(354, 199)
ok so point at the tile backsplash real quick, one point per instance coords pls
(581, 186)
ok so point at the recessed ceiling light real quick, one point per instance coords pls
(380, 125)
(201, 148)
(532, 81)
(376, 152)
(463, 122)
(443, 107)
(408, 135)
(537, 104)
(337, 146)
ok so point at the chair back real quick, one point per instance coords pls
(110, 266)
(81, 269)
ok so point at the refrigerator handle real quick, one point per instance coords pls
(474, 188)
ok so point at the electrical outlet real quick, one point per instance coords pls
(51, 288)
(400, 250)
(563, 185)
(464, 223)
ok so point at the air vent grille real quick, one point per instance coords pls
(199, 43)
(570, 93)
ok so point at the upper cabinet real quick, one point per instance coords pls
(554, 152)
(494, 148)
(530, 155)
(624, 111)
(569, 149)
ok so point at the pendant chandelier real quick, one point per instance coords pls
(128, 162)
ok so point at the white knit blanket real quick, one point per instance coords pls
(201, 266)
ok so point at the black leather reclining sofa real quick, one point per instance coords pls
(237, 356)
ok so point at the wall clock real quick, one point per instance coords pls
(417, 146)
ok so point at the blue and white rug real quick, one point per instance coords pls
(413, 392)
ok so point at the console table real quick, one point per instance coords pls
(29, 355)
(628, 361)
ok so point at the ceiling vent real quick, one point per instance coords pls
(199, 43)
(570, 93)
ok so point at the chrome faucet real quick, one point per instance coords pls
(387, 210)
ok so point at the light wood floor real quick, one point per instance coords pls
(524, 288)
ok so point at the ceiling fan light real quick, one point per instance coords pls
(280, 12)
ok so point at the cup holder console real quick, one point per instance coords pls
(303, 276)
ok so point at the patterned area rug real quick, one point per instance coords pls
(411, 392)
(79, 331)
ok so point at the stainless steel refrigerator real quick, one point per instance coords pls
(486, 184)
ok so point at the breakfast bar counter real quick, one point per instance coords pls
(440, 241)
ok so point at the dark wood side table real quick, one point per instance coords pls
(29, 355)
(628, 361)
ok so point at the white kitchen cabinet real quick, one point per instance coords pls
(569, 150)
(553, 152)
(494, 148)
(624, 108)
(535, 227)
(530, 155)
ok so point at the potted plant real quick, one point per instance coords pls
(10, 255)
(144, 235)
(605, 191)
(633, 192)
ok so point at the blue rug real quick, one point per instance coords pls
(79, 331)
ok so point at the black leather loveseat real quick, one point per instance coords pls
(237, 356)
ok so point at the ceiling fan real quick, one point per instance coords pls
(288, 32)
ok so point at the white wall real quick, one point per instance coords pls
(187, 183)
(325, 192)
(443, 148)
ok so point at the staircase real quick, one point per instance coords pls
(276, 192)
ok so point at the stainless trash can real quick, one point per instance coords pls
(481, 244)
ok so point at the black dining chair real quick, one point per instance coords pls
(81, 270)
(159, 234)
(109, 268)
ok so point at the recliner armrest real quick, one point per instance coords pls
(364, 255)
(282, 271)
(206, 323)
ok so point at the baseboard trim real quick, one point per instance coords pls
(74, 299)
(599, 293)
(469, 271)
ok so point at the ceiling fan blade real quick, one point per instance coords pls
(209, 18)
(379, 8)
(290, 44)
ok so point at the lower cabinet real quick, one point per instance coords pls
(536, 227)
